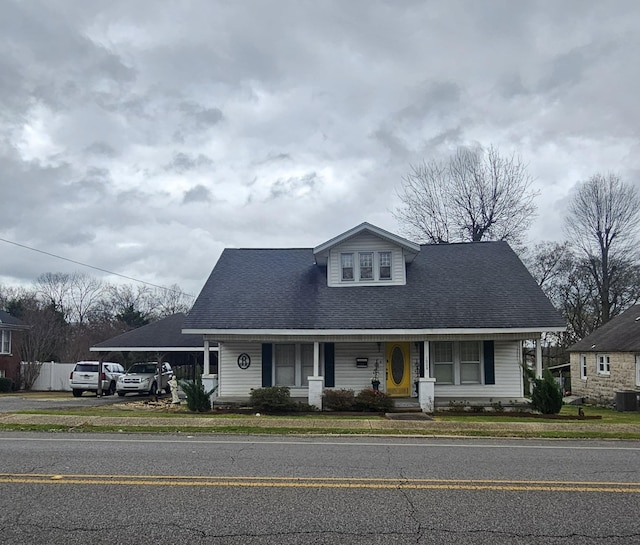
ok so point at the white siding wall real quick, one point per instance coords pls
(507, 371)
(233, 380)
(238, 382)
(366, 242)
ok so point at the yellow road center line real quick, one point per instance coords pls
(329, 483)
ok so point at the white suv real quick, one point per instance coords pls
(84, 377)
(142, 378)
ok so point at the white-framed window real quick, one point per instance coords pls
(443, 362)
(384, 265)
(603, 366)
(346, 264)
(583, 366)
(5, 341)
(469, 362)
(366, 265)
(3, 373)
(457, 362)
(293, 364)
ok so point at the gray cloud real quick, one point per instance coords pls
(110, 114)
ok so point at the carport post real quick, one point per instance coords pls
(99, 391)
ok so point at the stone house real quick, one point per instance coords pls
(608, 360)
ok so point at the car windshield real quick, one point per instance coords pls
(143, 368)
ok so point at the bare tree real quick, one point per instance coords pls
(602, 223)
(475, 195)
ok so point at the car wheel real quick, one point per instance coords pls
(112, 388)
(154, 389)
(167, 389)
(121, 394)
(77, 393)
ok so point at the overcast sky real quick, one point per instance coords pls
(143, 137)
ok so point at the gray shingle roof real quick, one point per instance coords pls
(163, 333)
(469, 285)
(620, 334)
(8, 319)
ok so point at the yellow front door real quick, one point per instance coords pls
(398, 371)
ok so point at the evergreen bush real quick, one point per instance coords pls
(198, 399)
(373, 401)
(546, 396)
(338, 400)
(273, 399)
(6, 384)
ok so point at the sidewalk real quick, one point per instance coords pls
(272, 424)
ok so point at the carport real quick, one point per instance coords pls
(162, 341)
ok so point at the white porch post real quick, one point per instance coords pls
(316, 382)
(206, 369)
(427, 371)
(426, 385)
(426, 396)
(539, 358)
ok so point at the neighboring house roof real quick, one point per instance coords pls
(7, 321)
(165, 335)
(620, 334)
(481, 285)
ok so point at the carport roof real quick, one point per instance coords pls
(165, 335)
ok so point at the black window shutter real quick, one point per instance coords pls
(421, 359)
(267, 364)
(489, 363)
(329, 365)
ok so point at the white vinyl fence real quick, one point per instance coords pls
(53, 377)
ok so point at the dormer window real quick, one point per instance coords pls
(346, 262)
(385, 265)
(366, 266)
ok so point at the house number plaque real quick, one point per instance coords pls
(244, 361)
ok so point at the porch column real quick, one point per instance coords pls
(539, 358)
(426, 394)
(316, 359)
(206, 369)
(316, 382)
(427, 371)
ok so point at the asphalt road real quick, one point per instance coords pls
(125, 488)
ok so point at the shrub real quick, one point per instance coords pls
(274, 399)
(338, 400)
(373, 400)
(198, 399)
(6, 384)
(546, 396)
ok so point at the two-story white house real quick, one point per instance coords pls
(444, 320)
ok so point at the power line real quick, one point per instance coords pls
(93, 267)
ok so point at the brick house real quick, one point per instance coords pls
(10, 337)
(608, 360)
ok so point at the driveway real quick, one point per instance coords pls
(24, 401)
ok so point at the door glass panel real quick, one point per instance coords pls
(397, 365)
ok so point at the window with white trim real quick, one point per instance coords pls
(457, 362)
(469, 362)
(5, 341)
(384, 271)
(366, 266)
(293, 364)
(603, 364)
(583, 366)
(346, 263)
(443, 362)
